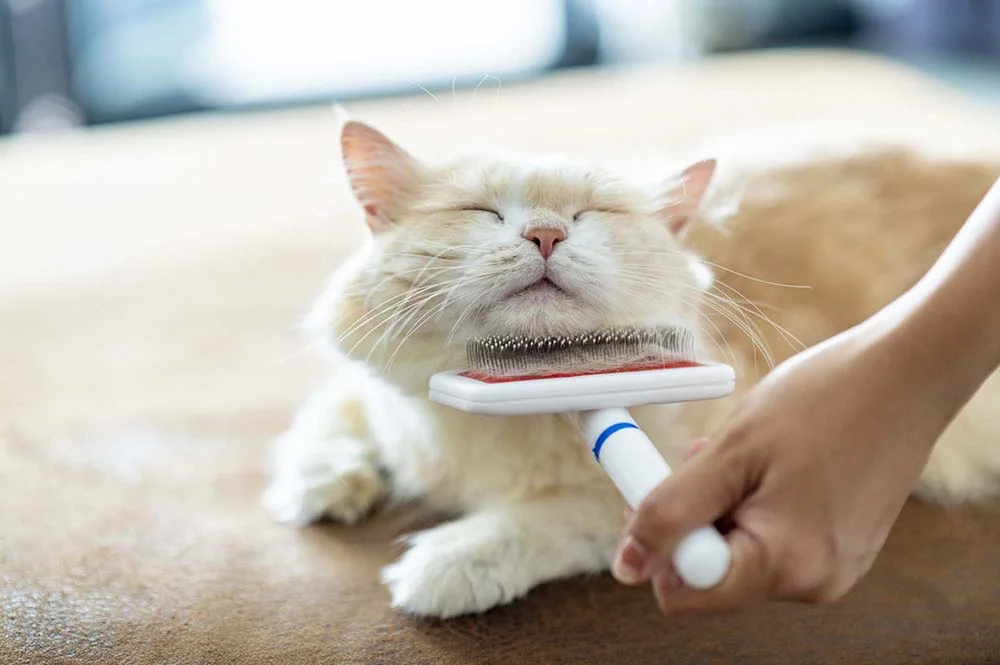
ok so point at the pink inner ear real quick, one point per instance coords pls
(687, 193)
(381, 173)
(376, 221)
(677, 224)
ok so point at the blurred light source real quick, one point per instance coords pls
(642, 31)
(883, 8)
(259, 50)
(48, 113)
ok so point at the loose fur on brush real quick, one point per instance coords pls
(811, 249)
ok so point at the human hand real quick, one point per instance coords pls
(808, 477)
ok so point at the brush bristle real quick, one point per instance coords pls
(601, 350)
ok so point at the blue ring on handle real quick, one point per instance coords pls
(606, 434)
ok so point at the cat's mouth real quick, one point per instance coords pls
(545, 306)
(542, 286)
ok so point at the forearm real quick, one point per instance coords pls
(947, 327)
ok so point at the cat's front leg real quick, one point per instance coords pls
(326, 464)
(497, 555)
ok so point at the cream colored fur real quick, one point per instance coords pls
(531, 504)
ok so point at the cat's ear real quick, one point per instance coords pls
(685, 193)
(381, 174)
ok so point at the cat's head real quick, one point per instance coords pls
(484, 245)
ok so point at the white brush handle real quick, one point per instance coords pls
(635, 466)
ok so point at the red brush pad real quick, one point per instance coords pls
(487, 378)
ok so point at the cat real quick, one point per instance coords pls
(487, 244)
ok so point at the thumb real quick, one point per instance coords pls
(703, 490)
(748, 579)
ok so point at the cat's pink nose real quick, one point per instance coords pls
(545, 239)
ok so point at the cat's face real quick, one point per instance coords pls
(486, 245)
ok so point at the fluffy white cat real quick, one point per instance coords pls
(479, 245)
(482, 245)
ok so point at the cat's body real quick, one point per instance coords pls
(531, 503)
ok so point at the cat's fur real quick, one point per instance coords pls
(531, 503)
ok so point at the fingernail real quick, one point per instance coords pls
(674, 581)
(630, 564)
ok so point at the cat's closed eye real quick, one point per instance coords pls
(481, 209)
(599, 211)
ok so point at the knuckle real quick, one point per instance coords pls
(741, 432)
(661, 512)
(734, 456)
(738, 433)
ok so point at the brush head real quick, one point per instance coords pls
(621, 367)
(609, 350)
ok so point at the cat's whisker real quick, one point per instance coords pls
(429, 93)
(430, 314)
(756, 279)
(425, 251)
(427, 242)
(744, 324)
(748, 330)
(718, 339)
(786, 335)
(405, 312)
(400, 276)
(404, 318)
(623, 252)
(414, 330)
(380, 325)
(427, 266)
(389, 313)
(717, 305)
(484, 80)
(288, 357)
(426, 258)
(396, 322)
(387, 307)
(469, 309)
(411, 284)
(716, 293)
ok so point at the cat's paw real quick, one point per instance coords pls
(343, 490)
(446, 573)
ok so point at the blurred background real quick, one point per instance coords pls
(71, 63)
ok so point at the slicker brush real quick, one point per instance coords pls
(600, 374)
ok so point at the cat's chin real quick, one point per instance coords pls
(538, 312)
